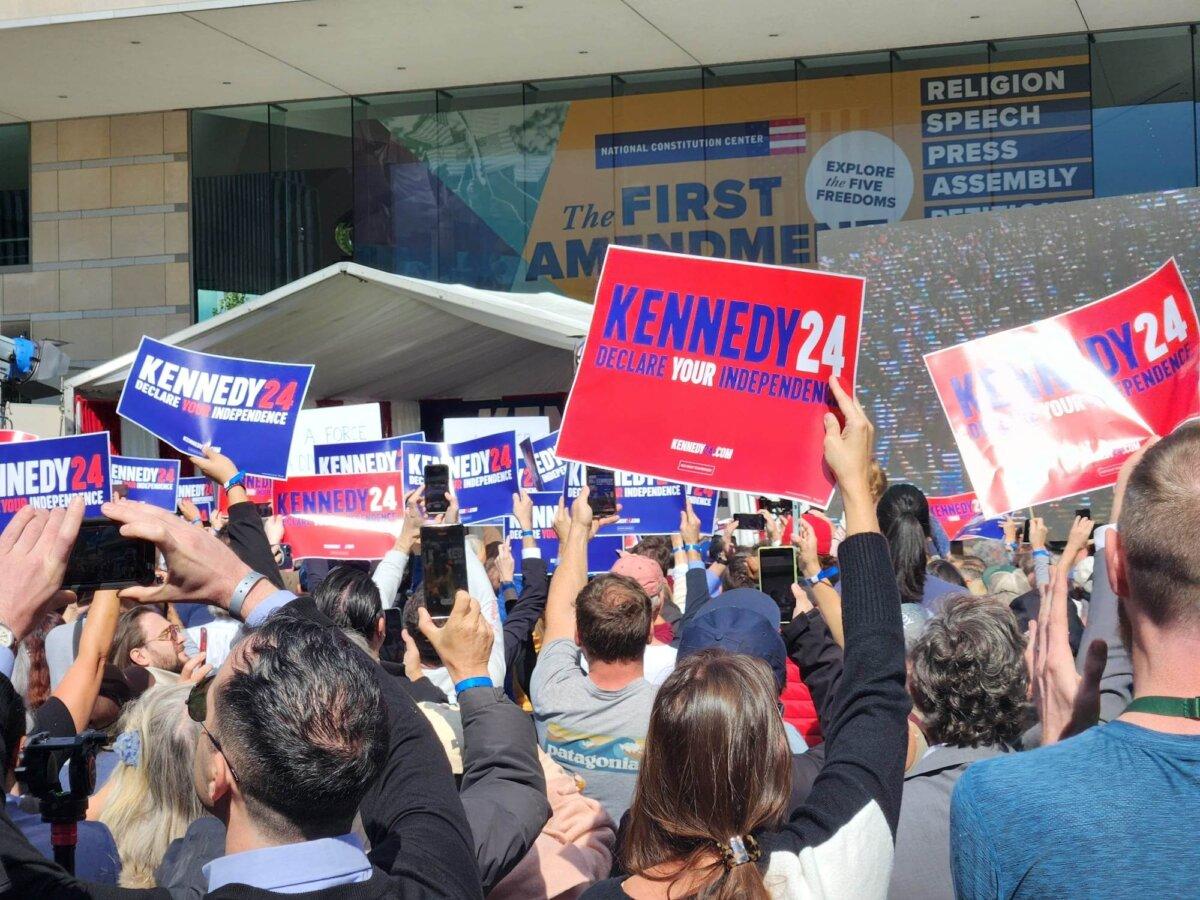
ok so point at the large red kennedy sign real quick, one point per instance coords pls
(1053, 408)
(340, 516)
(713, 372)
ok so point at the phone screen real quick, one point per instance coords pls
(444, 563)
(1025, 531)
(203, 645)
(1084, 511)
(956, 548)
(530, 461)
(751, 521)
(437, 488)
(103, 559)
(776, 575)
(602, 491)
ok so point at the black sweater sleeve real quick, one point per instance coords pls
(855, 801)
(248, 540)
(818, 657)
(697, 596)
(503, 786)
(527, 610)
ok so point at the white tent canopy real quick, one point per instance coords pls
(377, 336)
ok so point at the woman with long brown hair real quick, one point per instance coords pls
(707, 815)
(717, 768)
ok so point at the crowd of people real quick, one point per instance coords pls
(1006, 720)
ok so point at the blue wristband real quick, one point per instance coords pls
(237, 478)
(528, 533)
(694, 548)
(505, 585)
(1013, 546)
(1042, 552)
(467, 683)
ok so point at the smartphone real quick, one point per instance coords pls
(1084, 511)
(103, 560)
(1025, 531)
(264, 510)
(956, 548)
(444, 563)
(602, 491)
(203, 643)
(751, 521)
(437, 488)
(535, 480)
(776, 575)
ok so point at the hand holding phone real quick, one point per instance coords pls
(602, 491)
(444, 562)
(776, 575)
(102, 559)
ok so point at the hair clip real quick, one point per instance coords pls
(128, 747)
(739, 850)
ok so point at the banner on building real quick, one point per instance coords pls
(362, 457)
(201, 492)
(1052, 409)
(244, 408)
(483, 473)
(750, 172)
(603, 549)
(341, 516)
(713, 372)
(148, 480)
(52, 472)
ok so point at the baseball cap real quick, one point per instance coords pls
(643, 570)
(739, 621)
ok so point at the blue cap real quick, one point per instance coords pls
(739, 621)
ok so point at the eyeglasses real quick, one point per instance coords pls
(197, 707)
(170, 633)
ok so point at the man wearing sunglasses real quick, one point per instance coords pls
(300, 731)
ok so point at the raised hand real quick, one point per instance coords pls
(214, 465)
(189, 510)
(848, 452)
(505, 564)
(805, 540)
(522, 510)
(464, 642)
(34, 549)
(689, 524)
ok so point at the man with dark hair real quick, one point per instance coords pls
(594, 724)
(145, 638)
(1114, 808)
(349, 598)
(969, 686)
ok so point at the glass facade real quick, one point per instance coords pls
(523, 186)
(14, 195)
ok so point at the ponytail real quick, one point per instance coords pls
(904, 518)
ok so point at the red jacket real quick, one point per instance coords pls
(798, 707)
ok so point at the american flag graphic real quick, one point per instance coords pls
(787, 136)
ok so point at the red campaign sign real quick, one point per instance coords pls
(1054, 408)
(955, 512)
(259, 489)
(713, 372)
(340, 516)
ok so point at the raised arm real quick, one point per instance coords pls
(390, 571)
(823, 594)
(849, 822)
(80, 686)
(247, 537)
(571, 575)
(503, 788)
(531, 603)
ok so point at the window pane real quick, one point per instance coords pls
(1143, 121)
(232, 237)
(14, 195)
(313, 199)
(395, 191)
(477, 161)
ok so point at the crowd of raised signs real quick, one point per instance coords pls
(913, 722)
(467, 669)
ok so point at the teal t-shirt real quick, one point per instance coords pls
(1113, 812)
